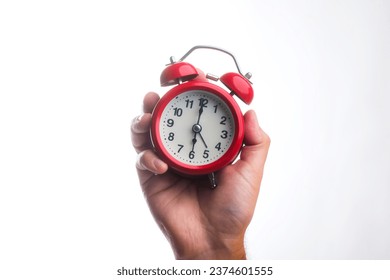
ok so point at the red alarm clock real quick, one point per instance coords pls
(197, 126)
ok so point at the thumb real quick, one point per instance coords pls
(256, 142)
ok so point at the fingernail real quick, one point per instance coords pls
(158, 165)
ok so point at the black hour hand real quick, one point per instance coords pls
(193, 142)
(204, 142)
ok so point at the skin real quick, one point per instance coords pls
(199, 222)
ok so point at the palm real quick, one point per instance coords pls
(189, 205)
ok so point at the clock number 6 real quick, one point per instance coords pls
(191, 155)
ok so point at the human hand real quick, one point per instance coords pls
(201, 223)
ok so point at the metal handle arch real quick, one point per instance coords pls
(247, 75)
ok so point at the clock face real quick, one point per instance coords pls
(196, 127)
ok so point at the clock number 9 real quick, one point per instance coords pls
(170, 122)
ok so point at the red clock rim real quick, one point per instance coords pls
(230, 154)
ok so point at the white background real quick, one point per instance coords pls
(73, 75)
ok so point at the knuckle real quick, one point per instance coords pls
(141, 124)
(135, 124)
(139, 161)
(267, 139)
(144, 158)
(141, 142)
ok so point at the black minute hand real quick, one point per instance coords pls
(200, 113)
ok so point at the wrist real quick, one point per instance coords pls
(216, 249)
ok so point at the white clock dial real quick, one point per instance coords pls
(197, 127)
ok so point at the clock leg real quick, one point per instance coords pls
(213, 182)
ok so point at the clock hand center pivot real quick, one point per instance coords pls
(196, 128)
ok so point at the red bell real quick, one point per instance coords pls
(239, 86)
(177, 73)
